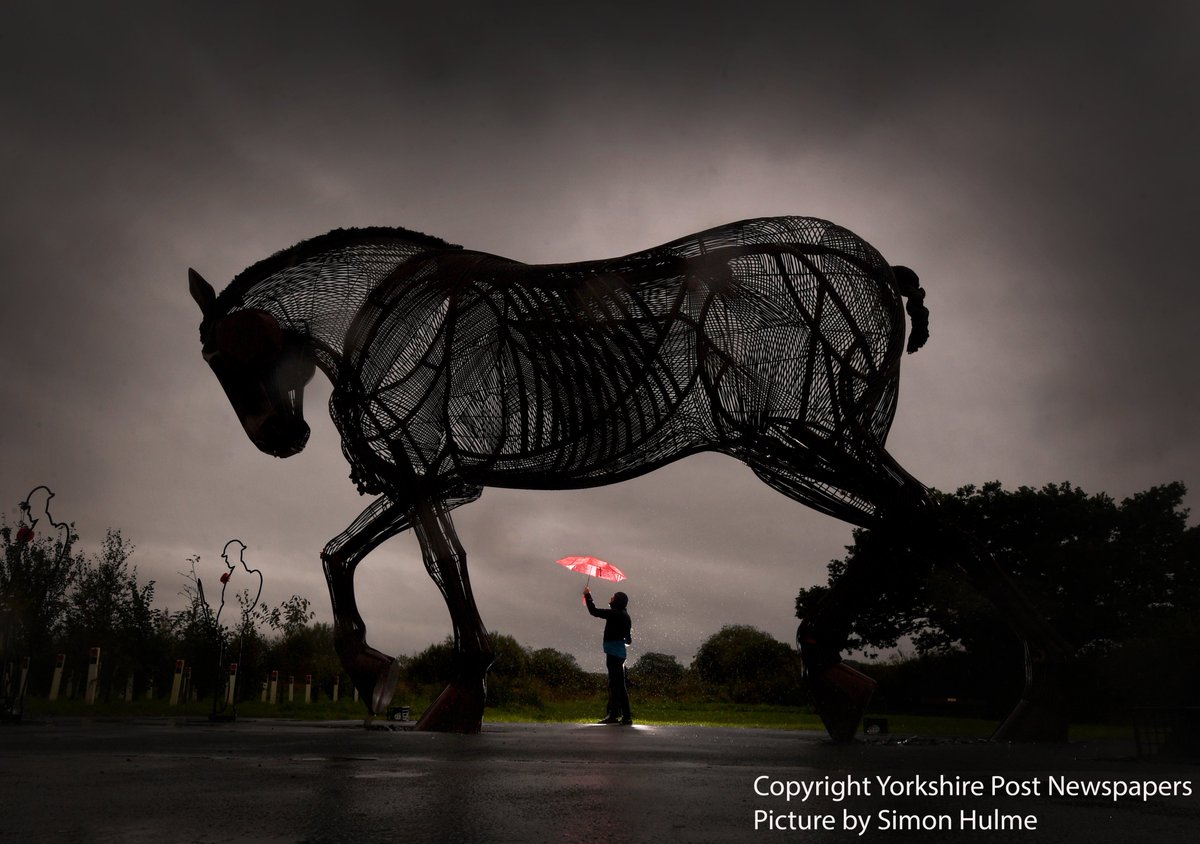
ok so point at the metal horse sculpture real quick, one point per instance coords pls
(776, 341)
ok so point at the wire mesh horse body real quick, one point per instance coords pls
(465, 370)
(776, 341)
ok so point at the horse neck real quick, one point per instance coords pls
(318, 298)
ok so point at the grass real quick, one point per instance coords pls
(583, 710)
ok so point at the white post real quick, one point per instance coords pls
(263, 699)
(274, 695)
(56, 682)
(337, 681)
(308, 688)
(291, 688)
(93, 678)
(177, 683)
(129, 689)
(187, 684)
(231, 688)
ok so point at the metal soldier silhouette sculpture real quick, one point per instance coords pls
(776, 341)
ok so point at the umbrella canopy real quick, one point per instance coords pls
(592, 567)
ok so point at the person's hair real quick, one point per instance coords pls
(620, 600)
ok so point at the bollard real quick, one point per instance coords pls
(337, 681)
(150, 689)
(263, 698)
(93, 676)
(274, 696)
(177, 683)
(129, 689)
(231, 686)
(308, 688)
(187, 684)
(291, 688)
(59, 662)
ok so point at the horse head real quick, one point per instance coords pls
(261, 366)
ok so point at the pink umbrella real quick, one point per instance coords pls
(592, 567)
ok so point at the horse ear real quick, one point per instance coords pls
(201, 290)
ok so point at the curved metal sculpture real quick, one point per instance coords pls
(223, 696)
(26, 532)
(15, 653)
(776, 341)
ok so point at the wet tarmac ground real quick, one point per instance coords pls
(168, 780)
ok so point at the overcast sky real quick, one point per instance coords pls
(1035, 163)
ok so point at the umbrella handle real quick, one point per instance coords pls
(589, 582)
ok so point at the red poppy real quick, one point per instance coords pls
(24, 534)
(225, 577)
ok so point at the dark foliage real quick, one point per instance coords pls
(749, 666)
(1115, 579)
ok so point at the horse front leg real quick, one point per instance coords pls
(459, 708)
(373, 673)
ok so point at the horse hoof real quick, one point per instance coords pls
(375, 675)
(385, 687)
(1041, 714)
(841, 695)
(458, 709)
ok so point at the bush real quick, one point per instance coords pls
(746, 665)
(657, 675)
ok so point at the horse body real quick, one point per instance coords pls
(473, 370)
(776, 341)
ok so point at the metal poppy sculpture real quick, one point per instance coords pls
(14, 649)
(776, 341)
(225, 682)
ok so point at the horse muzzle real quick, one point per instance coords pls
(281, 436)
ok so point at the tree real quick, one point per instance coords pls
(36, 576)
(557, 670)
(194, 632)
(301, 650)
(1104, 574)
(109, 609)
(749, 666)
(291, 616)
(509, 679)
(657, 674)
(434, 665)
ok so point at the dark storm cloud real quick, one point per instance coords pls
(1034, 162)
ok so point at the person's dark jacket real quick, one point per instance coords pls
(617, 624)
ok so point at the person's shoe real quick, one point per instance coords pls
(625, 722)
(608, 720)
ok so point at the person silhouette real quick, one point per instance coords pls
(26, 533)
(617, 634)
(228, 575)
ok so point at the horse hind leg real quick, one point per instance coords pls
(459, 708)
(1041, 713)
(840, 693)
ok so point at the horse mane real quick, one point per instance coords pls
(306, 249)
(910, 288)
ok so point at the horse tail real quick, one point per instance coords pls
(909, 286)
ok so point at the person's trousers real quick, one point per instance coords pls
(618, 694)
